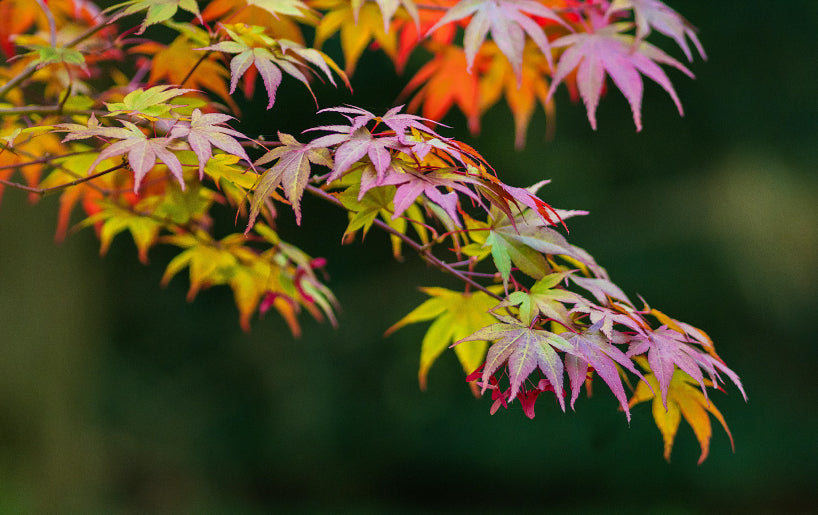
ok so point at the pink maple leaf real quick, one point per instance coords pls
(608, 51)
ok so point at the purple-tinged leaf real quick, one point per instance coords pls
(205, 130)
(650, 14)
(608, 51)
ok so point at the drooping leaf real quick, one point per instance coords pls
(523, 350)
(158, 11)
(205, 131)
(595, 350)
(684, 399)
(142, 152)
(456, 316)
(610, 52)
(508, 20)
(357, 30)
(653, 14)
(272, 58)
(291, 172)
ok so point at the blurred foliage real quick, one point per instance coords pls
(118, 397)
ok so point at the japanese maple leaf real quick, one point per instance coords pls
(595, 350)
(668, 349)
(206, 130)
(508, 21)
(444, 82)
(545, 299)
(608, 51)
(271, 59)
(142, 152)
(358, 29)
(456, 315)
(683, 400)
(388, 9)
(523, 350)
(412, 183)
(522, 93)
(354, 141)
(149, 103)
(158, 11)
(652, 14)
(291, 172)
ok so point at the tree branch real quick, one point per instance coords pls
(424, 252)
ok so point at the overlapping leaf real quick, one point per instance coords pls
(684, 399)
(610, 52)
(523, 349)
(456, 316)
(508, 20)
(653, 14)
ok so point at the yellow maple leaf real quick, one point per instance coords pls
(684, 399)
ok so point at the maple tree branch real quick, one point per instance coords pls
(422, 250)
(42, 160)
(52, 25)
(45, 191)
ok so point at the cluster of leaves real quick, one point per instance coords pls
(152, 152)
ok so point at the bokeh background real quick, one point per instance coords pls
(117, 396)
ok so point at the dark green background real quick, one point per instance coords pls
(116, 396)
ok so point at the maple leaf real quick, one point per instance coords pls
(652, 14)
(142, 152)
(47, 54)
(456, 315)
(278, 25)
(683, 400)
(522, 95)
(271, 59)
(508, 22)
(609, 51)
(115, 219)
(593, 349)
(291, 172)
(445, 82)
(205, 130)
(357, 29)
(545, 299)
(523, 349)
(158, 11)
(149, 104)
(388, 9)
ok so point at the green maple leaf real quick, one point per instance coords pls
(545, 299)
(158, 10)
(150, 104)
(456, 315)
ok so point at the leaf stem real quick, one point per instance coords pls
(422, 250)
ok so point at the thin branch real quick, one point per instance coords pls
(52, 25)
(45, 191)
(45, 159)
(422, 250)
